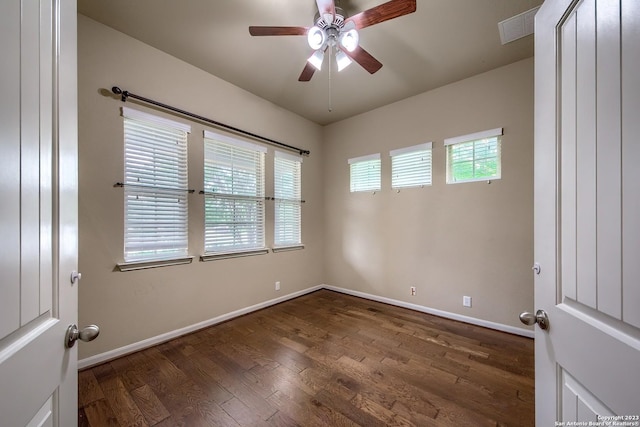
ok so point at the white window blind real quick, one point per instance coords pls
(234, 194)
(155, 169)
(474, 157)
(288, 203)
(365, 173)
(411, 166)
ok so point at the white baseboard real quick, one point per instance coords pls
(159, 339)
(440, 313)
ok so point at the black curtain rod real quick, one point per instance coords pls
(126, 94)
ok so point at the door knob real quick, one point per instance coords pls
(88, 333)
(540, 318)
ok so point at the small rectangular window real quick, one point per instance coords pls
(288, 203)
(234, 194)
(155, 190)
(411, 166)
(474, 157)
(365, 173)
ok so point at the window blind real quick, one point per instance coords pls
(288, 203)
(234, 194)
(411, 166)
(155, 169)
(365, 173)
(474, 157)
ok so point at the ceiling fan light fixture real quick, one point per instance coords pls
(342, 60)
(315, 37)
(350, 39)
(316, 59)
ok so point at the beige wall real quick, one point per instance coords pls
(380, 244)
(471, 239)
(133, 306)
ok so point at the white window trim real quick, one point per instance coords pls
(427, 146)
(171, 125)
(234, 141)
(412, 149)
(142, 265)
(490, 133)
(289, 156)
(364, 158)
(130, 113)
(474, 136)
(290, 246)
(236, 253)
(214, 256)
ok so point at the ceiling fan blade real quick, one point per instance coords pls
(365, 59)
(307, 73)
(384, 12)
(327, 7)
(278, 31)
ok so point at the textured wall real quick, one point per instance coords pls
(471, 239)
(447, 240)
(133, 306)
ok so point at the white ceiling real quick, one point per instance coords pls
(442, 42)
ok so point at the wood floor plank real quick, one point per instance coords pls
(88, 389)
(149, 404)
(99, 413)
(123, 405)
(323, 359)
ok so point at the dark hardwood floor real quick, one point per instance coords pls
(324, 359)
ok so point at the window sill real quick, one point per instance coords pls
(287, 248)
(488, 180)
(141, 265)
(236, 254)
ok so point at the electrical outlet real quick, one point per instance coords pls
(277, 286)
(413, 291)
(466, 301)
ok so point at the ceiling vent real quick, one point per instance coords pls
(518, 26)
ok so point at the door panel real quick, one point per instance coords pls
(38, 227)
(630, 155)
(587, 202)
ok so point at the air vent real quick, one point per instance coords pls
(517, 26)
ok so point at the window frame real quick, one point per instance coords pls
(292, 165)
(238, 147)
(474, 138)
(375, 162)
(410, 166)
(134, 188)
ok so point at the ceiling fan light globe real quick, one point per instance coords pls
(315, 38)
(316, 59)
(342, 60)
(350, 40)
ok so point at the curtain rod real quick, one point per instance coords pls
(126, 94)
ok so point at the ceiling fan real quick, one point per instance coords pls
(332, 29)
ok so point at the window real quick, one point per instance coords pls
(234, 194)
(155, 190)
(411, 166)
(288, 203)
(473, 157)
(365, 173)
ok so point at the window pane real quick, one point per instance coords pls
(156, 214)
(474, 160)
(234, 197)
(365, 175)
(288, 206)
(411, 169)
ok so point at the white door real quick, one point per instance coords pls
(587, 210)
(38, 212)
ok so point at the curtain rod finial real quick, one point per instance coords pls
(118, 91)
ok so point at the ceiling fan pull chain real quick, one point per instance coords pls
(330, 56)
